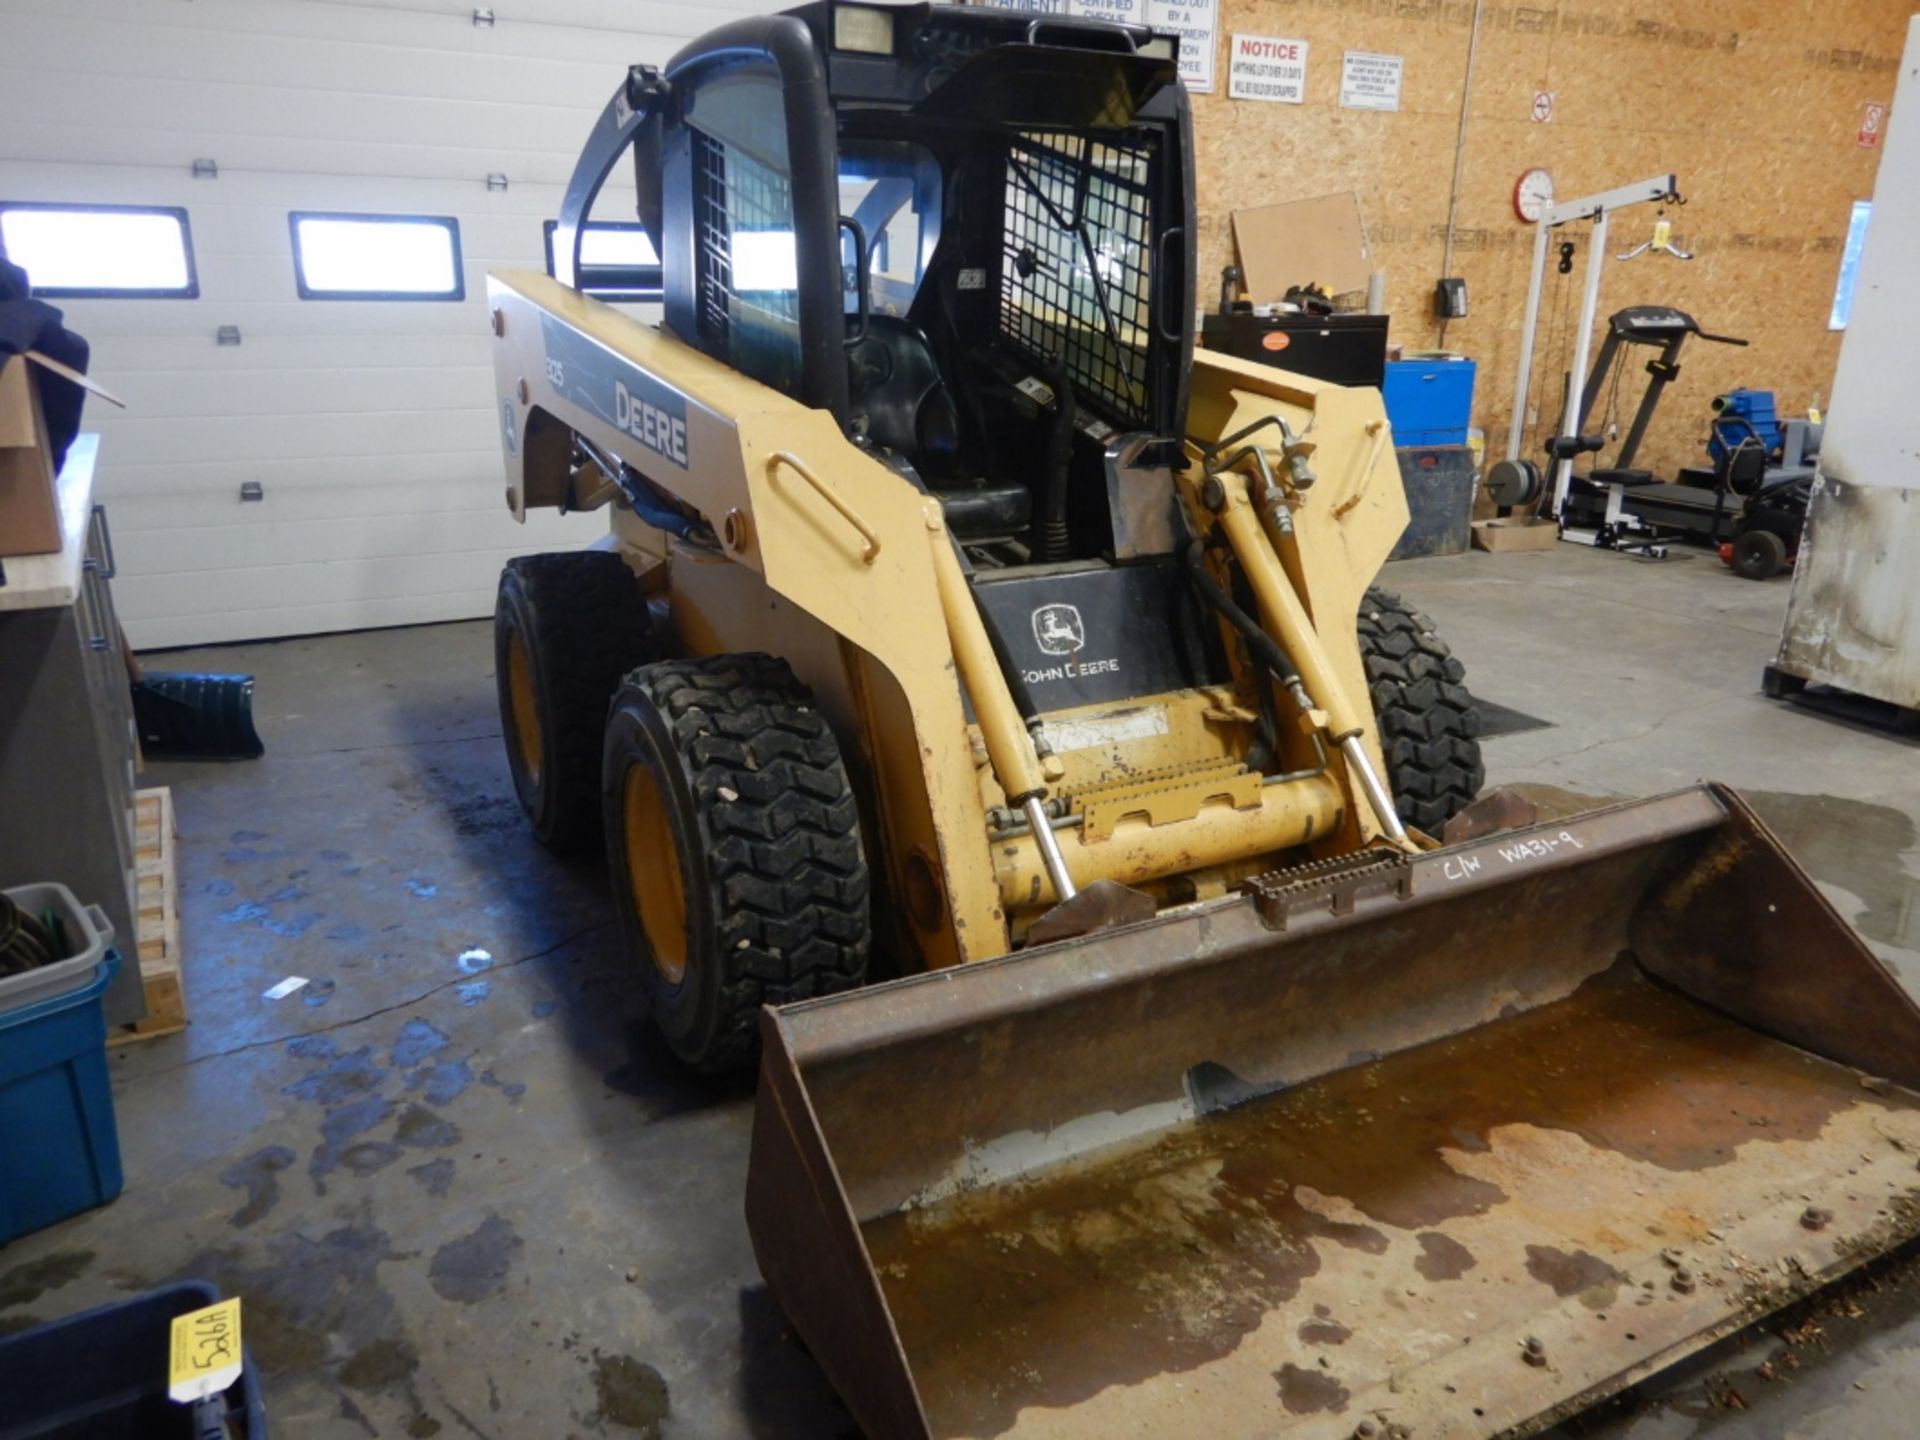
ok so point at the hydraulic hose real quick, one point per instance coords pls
(1264, 649)
(646, 501)
(1055, 541)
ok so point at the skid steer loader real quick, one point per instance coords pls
(964, 630)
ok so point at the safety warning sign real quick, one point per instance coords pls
(1267, 67)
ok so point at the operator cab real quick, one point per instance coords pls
(966, 233)
(963, 232)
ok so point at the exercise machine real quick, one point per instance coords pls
(1755, 484)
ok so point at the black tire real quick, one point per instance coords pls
(1758, 554)
(581, 621)
(1429, 723)
(726, 760)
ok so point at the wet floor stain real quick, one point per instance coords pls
(26, 1283)
(512, 1089)
(1568, 1273)
(354, 1415)
(344, 1077)
(246, 837)
(311, 1047)
(294, 928)
(1856, 845)
(340, 1143)
(286, 892)
(1323, 1332)
(435, 1177)
(259, 1175)
(318, 993)
(543, 1008)
(472, 992)
(245, 853)
(1307, 1392)
(380, 1364)
(420, 1040)
(1442, 1257)
(217, 888)
(474, 1266)
(308, 1299)
(423, 890)
(246, 910)
(632, 1395)
(366, 1156)
(442, 1081)
(420, 1129)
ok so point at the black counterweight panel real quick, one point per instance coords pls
(1084, 636)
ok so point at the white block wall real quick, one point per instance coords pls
(370, 425)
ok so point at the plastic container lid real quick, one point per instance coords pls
(87, 923)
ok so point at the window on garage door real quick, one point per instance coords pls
(126, 252)
(376, 257)
(617, 260)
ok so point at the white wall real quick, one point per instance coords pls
(370, 425)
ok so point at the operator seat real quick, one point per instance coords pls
(897, 388)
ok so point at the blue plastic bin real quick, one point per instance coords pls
(102, 1375)
(1430, 400)
(56, 1108)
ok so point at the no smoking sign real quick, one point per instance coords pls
(1873, 120)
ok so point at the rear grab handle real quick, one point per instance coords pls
(870, 542)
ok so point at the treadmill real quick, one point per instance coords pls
(1615, 501)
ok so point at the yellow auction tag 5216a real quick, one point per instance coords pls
(205, 1357)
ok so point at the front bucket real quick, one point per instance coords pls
(1460, 1144)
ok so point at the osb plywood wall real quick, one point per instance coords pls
(1755, 104)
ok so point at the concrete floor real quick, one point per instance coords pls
(463, 1189)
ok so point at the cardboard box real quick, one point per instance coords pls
(1302, 242)
(29, 509)
(1515, 534)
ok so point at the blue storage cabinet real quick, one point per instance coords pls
(1429, 402)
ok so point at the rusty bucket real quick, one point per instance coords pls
(1451, 1146)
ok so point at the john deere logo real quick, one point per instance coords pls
(1059, 630)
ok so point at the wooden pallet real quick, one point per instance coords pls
(157, 923)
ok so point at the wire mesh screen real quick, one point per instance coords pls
(748, 290)
(713, 244)
(1077, 264)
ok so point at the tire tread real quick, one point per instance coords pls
(787, 873)
(1429, 722)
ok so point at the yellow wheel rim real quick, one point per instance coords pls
(653, 873)
(526, 710)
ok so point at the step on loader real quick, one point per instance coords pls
(995, 734)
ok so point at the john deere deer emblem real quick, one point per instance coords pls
(1058, 629)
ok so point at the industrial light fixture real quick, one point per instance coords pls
(862, 29)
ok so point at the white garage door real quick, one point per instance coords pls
(368, 426)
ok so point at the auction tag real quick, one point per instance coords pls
(206, 1352)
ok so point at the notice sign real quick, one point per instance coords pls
(1265, 67)
(1370, 82)
(1197, 23)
